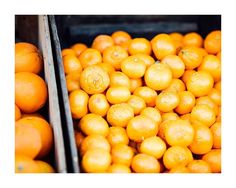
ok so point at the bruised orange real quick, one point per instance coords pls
(199, 166)
(213, 157)
(72, 81)
(118, 168)
(135, 83)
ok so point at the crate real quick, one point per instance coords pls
(35, 29)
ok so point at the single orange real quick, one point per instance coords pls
(212, 42)
(209, 102)
(102, 42)
(179, 169)
(78, 48)
(176, 85)
(44, 167)
(213, 157)
(118, 168)
(139, 46)
(135, 83)
(120, 37)
(98, 104)
(117, 135)
(187, 102)
(90, 57)
(118, 94)
(215, 95)
(187, 75)
(119, 79)
(71, 64)
(153, 114)
(122, 154)
(193, 39)
(216, 132)
(149, 95)
(199, 166)
(68, 51)
(137, 103)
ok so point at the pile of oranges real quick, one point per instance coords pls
(147, 106)
(33, 134)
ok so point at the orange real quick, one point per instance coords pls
(216, 132)
(141, 127)
(96, 161)
(117, 135)
(90, 57)
(204, 114)
(153, 146)
(120, 114)
(176, 65)
(44, 129)
(135, 83)
(187, 75)
(209, 102)
(179, 169)
(169, 116)
(94, 80)
(139, 46)
(107, 67)
(167, 101)
(218, 86)
(200, 83)
(193, 39)
(87, 123)
(133, 67)
(118, 94)
(176, 85)
(125, 45)
(119, 79)
(78, 103)
(79, 137)
(213, 157)
(98, 104)
(191, 56)
(120, 37)
(17, 113)
(72, 81)
(118, 168)
(187, 102)
(215, 95)
(122, 154)
(149, 95)
(79, 48)
(25, 164)
(163, 45)
(177, 156)
(153, 114)
(27, 58)
(186, 117)
(44, 167)
(218, 117)
(199, 166)
(158, 76)
(203, 140)
(147, 59)
(203, 51)
(212, 42)
(30, 92)
(67, 51)
(102, 42)
(176, 36)
(212, 65)
(143, 163)
(137, 103)
(219, 55)
(71, 64)
(114, 55)
(179, 133)
(32, 115)
(94, 141)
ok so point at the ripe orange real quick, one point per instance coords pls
(135, 83)
(117, 135)
(118, 168)
(30, 92)
(32, 115)
(169, 116)
(125, 45)
(27, 58)
(153, 114)
(137, 103)
(209, 102)
(203, 140)
(120, 114)
(78, 48)
(79, 137)
(160, 82)
(187, 102)
(213, 157)
(44, 167)
(167, 101)
(17, 113)
(179, 133)
(94, 80)
(179, 169)
(191, 56)
(139, 46)
(187, 75)
(176, 85)
(107, 67)
(119, 79)
(78, 103)
(114, 55)
(199, 166)
(178, 40)
(200, 83)
(71, 64)
(120, 37)
(133, 67)
(72, 81)
(147, 59)
(216, 132)
(25, 164)
(86, 125)
(117, 94)
(203, 51)
(186, 117)
(212, 65)
(163, 45)
(90, 57)
(212, 43)
(122, 154)
(98, 104)
(143, 163)
(193, 39)
(67, 51)
(176, 65)
(153, 146)
(102, 42)
(149, 95)
(96, 161)
(141, 127)
(215, 95)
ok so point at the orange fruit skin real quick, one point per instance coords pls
(90, 57)
(143, 163)
(137, 103)
(118, 168)
(219, 55)
(206, 100)
(176, 85)
(135, 83)
(160, 82)
(44, 167)
(96, 161)
(179, 169)
(215, 95)
(78, 103)
(139, 46)
(94, 80)
(187, 75)
(147, 59)
(117, 94)
(30, 92)
(98, 104)
(87, 123)
(71, 64)
(141, 127)
(17, 113)
(149, 95)
(78, 48)
(216, 132)
(120, 37)
(213, 157)
(122, 154)
(193, 39)
(199, 166)
(187, 102)
(153, 114)
(107, 67)
(102, 42)
(72, 81)
(212, 42)
(79, 137)
(169, 116)
(119, 79)
(117, 135)
(27, 58)
(67, 51)
(163, 45)
(176, 36)
(25, 164)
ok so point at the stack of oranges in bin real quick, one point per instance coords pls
(146, 106)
